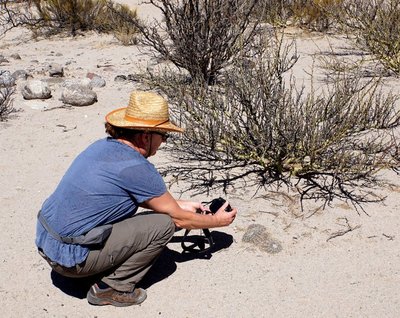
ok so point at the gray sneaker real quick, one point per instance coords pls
(109, 296)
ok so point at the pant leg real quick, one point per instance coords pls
(129, 252)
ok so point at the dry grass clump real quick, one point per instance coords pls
(119, 19)
(315, 15)
(257, 128)
(71, 15)
(49, 17)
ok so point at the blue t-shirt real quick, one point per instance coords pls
(104, 185)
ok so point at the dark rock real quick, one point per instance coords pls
(120, 78)
(56, 70)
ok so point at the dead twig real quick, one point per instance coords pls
(389, 237)
(343, 232)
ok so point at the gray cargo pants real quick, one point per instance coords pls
(128, 253)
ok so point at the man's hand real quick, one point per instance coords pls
(225, 218)
(191, 206)
(184, 217)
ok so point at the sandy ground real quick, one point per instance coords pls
(354, 275)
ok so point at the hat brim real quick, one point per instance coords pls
(117, 118)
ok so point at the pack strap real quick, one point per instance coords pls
(198, 243)
(54, 234)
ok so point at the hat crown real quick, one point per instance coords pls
(145, 111)
(147, 106)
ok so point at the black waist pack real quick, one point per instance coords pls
(95, 236)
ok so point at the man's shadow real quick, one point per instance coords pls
(164, 266)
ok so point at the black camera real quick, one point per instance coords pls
(217, 203)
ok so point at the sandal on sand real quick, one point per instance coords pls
(109, 296)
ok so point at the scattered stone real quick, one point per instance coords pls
(90, 75)
(56, 70)
(15, 56)
(98, 81)
(77, 95)
(77, 82)
(20, 74)
(36, 89)
(120, 78)
(6, 80)
(3, 59)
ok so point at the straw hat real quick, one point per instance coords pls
(146, 111)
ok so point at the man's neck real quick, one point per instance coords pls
(133, 146)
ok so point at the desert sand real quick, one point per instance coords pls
(316, 274)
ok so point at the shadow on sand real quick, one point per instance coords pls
(164, 266)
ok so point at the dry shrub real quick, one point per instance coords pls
(6, 106)
(257, 129)
(201, 36)
(13, 14)
(376, 27)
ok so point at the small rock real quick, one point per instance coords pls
(15, 56)
(77, 82)
(98, 81)
(77, 95)
(36, 89)
(120, 78)
(56, 70)
(6, 80)
(20, 74)
(3, 59)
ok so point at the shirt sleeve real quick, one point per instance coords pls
(143, 182)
